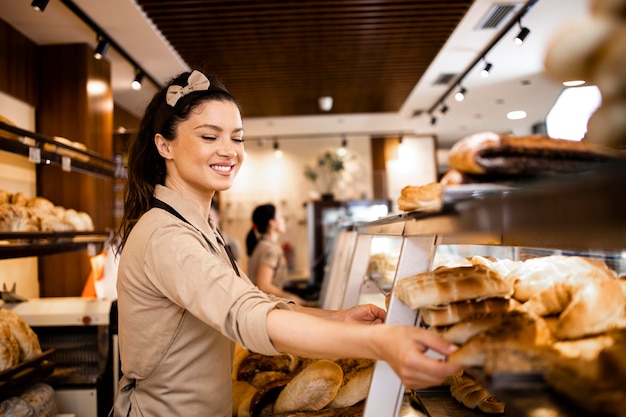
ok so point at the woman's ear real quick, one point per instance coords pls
(163, 146)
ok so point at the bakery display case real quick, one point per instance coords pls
(562, 214)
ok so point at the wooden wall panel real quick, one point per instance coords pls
(76, 102)
(18, 65)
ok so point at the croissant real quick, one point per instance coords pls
(473, 395)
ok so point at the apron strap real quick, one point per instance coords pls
(121, 406)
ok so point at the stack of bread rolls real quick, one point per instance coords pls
(594, 50)
(451, 296)
(20, 213)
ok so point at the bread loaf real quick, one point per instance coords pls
(537, 274)
(9, 348)
(242, 393)
(312, 389)
(449, 285)
(596, 307)
(461, 332)
(357, 375)
(26, 338)
(446, 315)
(517, 329)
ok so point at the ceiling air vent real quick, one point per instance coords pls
(498, 14)
(445, 79)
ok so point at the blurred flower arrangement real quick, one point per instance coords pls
(328, 170)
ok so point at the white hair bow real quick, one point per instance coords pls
(197, 81)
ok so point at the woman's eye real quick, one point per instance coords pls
(211, 138)
(238, 140)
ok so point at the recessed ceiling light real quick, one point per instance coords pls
(516, 115)
(573, 83)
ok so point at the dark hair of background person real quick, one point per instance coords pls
(146, 167)
(261, 217)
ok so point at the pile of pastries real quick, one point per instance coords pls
(288, 385)
(563, 317)
(20, 213)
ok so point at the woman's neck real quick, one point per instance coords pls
(271, 235)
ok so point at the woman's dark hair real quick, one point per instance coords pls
(261, 217)
(146, 167)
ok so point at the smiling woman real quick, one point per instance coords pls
(183, 301)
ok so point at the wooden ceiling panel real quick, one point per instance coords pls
(278, 57)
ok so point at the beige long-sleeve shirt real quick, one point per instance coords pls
(181, 307)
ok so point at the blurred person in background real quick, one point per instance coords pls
(267, 264)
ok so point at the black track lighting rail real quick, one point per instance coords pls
(101, 33)
(457, 82)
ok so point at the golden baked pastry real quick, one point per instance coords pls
(421, 198)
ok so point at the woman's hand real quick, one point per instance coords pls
(405, 350)
(363, 314)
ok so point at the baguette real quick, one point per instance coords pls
(449, 285)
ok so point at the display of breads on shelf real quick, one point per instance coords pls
(20, 213)
(49, 147)
(562, 317)
(287, 385)
(18, 342)
(594, 50)
(489, 157)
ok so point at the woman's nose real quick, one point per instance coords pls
(227, 148)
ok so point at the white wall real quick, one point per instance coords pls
(266, 179)
(415, 164)
(18, 175)
(263, 179)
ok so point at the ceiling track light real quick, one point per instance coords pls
(460, 95)
(342, 151)
(504, 31)
(523, 33)
(433, 120)
(136, 84)
(444, 109)
(277, 152)
(39, 5)
(101, 48)
(486, 71)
